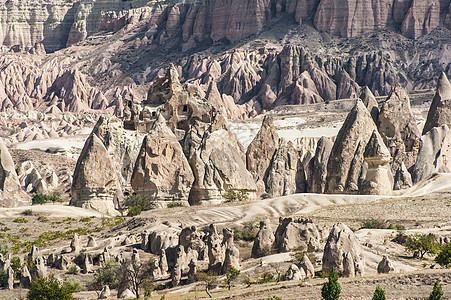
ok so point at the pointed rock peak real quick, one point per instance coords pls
(268, 121)
(173, 75)
(440, 111)
(376, 148)
(398, 93)
(367, 97)
(443, 87)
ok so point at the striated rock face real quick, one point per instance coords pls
(398, 128)
(343, 252)
(440, 111)
(95, 184)
(346, 166)
(162, 172)
(421, 18)
(11, 193)
(379, 179)
(317, 167)
(434, 153)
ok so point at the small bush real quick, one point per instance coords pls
(86, 219)
(235, 196)
(109, 275)
(140, 201)
(73, 270)
(134, 211)
(27, 212)
(379, 294)
(175, 204)
(48, 288)
(444, 256)
(20, 220)
(437, 292)
(266, 277)
(16, 266)
(247, 233)
(3, 278)
(272, 298)
(331, 290)
(43, 198)
(231, 275)
(42, 219)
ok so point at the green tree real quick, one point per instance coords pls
(107, 275)
(379, 294)
(48, 288)
(231, 275)
(209, 280)
(437, 292)
(420, 244)
(444, 256)
(331, 290)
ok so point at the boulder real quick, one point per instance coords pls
(10, 277)
(261, 150)
(343, 252)
(25, 278)
(162, 172)
(39, 268)
(296, 234)
(398, 128)
(403, 179)
(11, 193)
(160, 240)
(345, 167)
(317, 167)
(307, 266)
(91, 242)
(294, 273)
(440, 111)
(379, 179)
(126, 294)
(231, 258)
(281, 179)
(176, 275)
(75, 244)
(216, 250)
(385, 266)
(105, 293)
(264, 240)
(95, 183)
(163, 263)
(434, 154)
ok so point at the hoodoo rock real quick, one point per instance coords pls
(346, 165)
(385, 266)
(370, 102)
(379, 179)
(95, 184)
(317, 167)
(440, 111)
(11, 193)
(434, 153)
(263, 241)
(398, 128)
(300, 234)
(403, 179)
(343, 243)
(162, 172)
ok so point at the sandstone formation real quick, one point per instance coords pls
(343, 252)
(317, 167)
(11, 193)
(96, 183)
(264, 240)
(440, 111)
(346, 166)
(398, 128)
(296, 234)
(403, 179)
(105, 293)
(379, 179)
(162, 172)
(434, 153)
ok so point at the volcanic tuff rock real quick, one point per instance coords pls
(403, 179)
(346, 165)
(264, 240)
(398, 128)
(343, 243)
(370, 102)
(317, 167)
(385, 266)
(11, 193)
(299, 234)
(434, 153)
(440, 111)
(379, 179)
(162, 172)
(95, 184)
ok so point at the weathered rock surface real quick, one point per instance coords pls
(403, 179)
(434, 153)
(296, 234)
(346, 167)
(11, 193)
(294, 273)
(317, 167)
(440, 111)
(370, 102)
(379, 179)
(162, 172)
(105, 293)
(343, 243)
(307, 266)
(398, 128)
(264, 240)
(421, 18)
(385, 266)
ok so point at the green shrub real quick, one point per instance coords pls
(134, 211)
(235, 196)
(16, 266)
(140, 201)
(48, 288)
(3, 278)
(73, 270)
(231, 275)
(42, 219)
(272, 298)
(247, 233)
(437, 292)
(46, 198)
(266, 277)
(175, 204)
(331, 290)
(420, 244)
(109, 275)
(444, 256)
(379, 294)
(86, 219)
(20, 220)
(27, 212)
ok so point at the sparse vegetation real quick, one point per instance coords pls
(444, 256)
(27, 212)
(331, 290)
(42, 219)
(107, 275)
(137, 204)
(209, 280)
(420, 244)
(20, 220)
(231, 275)
(437, 292)
(46, 198)
(380, 224)
(134, 211)
(49, 288)
(247, 233)
(236, 196)
(379, 294)
(175, 204)
(73, 270)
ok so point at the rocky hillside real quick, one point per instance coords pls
(270, 53)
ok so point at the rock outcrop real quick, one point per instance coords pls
(398, 128)
(162, 172)
(296, 234)
(343, 252)
(434, 153)
(440, 111)
(317, 167)
(370, 102)
(385, 266)
(403, 179)
(346, 166)
(11, 193)
(264, 240)
(379, 179)
(421, 18)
